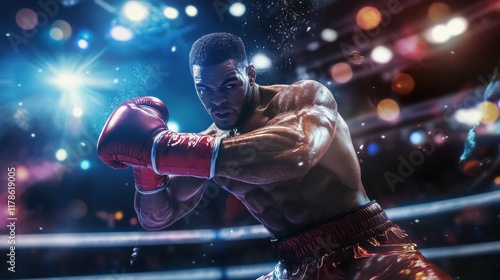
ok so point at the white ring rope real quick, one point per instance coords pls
(116, 239)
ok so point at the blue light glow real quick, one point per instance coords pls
(417, 137)
(372, 148)
(85, 164)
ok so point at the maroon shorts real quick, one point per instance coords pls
(359, 244)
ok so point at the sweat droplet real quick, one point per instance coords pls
(133, 256)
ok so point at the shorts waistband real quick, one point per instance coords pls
(343, 231)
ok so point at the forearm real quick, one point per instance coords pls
(155, 211)
(160, 210)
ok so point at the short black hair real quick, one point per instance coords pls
(215, 48)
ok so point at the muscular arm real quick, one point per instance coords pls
(300, 130)
(160, 210)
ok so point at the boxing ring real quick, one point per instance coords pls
(231, 234)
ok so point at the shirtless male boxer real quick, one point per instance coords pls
(283, 150)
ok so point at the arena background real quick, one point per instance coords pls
(409, 76)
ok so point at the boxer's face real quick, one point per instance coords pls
(225, 90)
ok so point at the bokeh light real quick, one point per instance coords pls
(261, 61)
(417, 137)
(61, 155)
(118, 215)
(402, 84)
(438, 11)
(497, 180)
(60, 30)
(83, 44)
(468, 116)
(26, 19)
(237, 9)
(85, 164)
(135, 11)
(438, 34)
(329, 35)
(381, 54)
(388, 109)
(489, 112)
(191, 10)
(457, 26)
(120, 33)
(341, 72)
(412, 47)
(170, 12)
(368, 18)
(372, 148)
(439, 138)
(77, 209)
(22, 173)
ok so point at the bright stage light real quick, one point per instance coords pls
(237, 9)
(83, 44)
(456, 26)
(191, 10)
(381, 54)
(61, 155)
(173, 126)
(469, 116)
(67, 81)
(261, 61)
(438, 34)
(170, 13)
(77, 112)
(135, 11)
(441, 33)
(120, 33)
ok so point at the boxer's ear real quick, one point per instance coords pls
(252, 74)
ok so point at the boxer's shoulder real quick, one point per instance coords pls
(297, 95)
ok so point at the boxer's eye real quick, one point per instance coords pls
(202, 91)
(230, 86)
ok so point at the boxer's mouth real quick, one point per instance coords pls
(222, 114)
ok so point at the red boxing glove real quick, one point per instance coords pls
(127, 136)
(136, 135)
(148, 182)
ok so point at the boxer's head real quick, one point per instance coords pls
(222, 77)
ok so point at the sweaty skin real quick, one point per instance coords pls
(287, 155)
